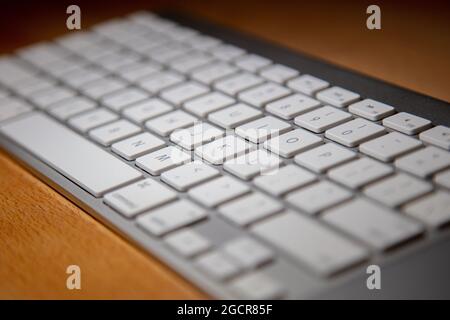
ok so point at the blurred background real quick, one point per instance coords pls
(412, 49)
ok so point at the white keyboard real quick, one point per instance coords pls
(250, 177)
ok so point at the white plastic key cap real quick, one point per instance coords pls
(144, 110)
(170, 217)
(309, 243)
(406, 123)
(45, 98)
(222, 149)
(187, 243)
(234, 116)
(263, 94)
(397, 190)
(91, 119)
(233, 84)
(443, 179)
(247, 252)
(227, 52)
(262, 129)
(120, 99)
(433, 210)
(257, 286)
(389, 146)
(284, 179)
(166, 124)
(180, 93)
(291, 106)
(318, 196)
(217, 265)
(189, 62)
(252, 164)
(163, 159)
(252, 62)
(11, 107)
(324, 157)
(212, 72)
(208, 103)
(249, 209)
(28, 86)
(307, 84)
(354, 132)
(114, 131)
(322, 119)
(438, 136)
(293, 142)
(69, 107)
(84, 163)
(371, 109)
(135, 71)
(102, 87)
(278, 73)
(337, 96)
(424, 162)
(189, 175)
(137, 145)
(218, 191)
(360, 172)
(203, 42)
(138, 197)
(373, 224)
(160, 80)
(192, 137)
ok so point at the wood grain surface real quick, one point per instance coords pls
(41, 233)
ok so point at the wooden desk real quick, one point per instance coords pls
(41, 233)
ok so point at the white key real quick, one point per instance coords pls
(160, 80)
(180, 33)
(208, 103)
(324, 157)
(69, 107)
(113, 61)
(82, 76)
(262, 129)
(380, 228)
(218, 265)
(194, 136)
(137, 145)
(293, 142)
(433, 210)
(257, 286)
(284, 179)
(139, 197)
(144, 110)
(43, 99)
(438, 136)
(99, 88)
(322, 119)
(354, 132)
(337, 96)
(11, 71)
(12, 107)
(218, 191)
(318, 197)
(33, 84)
(236, 83)
(290, 107)
(307, 84)
(171, 217)
(112, 132)
(247, 252)
(78, 159)
(78, 40)
(190, 62)
(424, 162)
(249, 209)
(358, 173)
(443, 179)
(252, 164)
(166, 124)
(135, 71)
(202, 42)
(189, 175)
(234, 116)
(166, 52)
(91, 119)
(278, 73)
(162, 160)
(227, 52)
(397, 190)
(371, 109)
(263, 94)
(212, 72)
(42, 53)
(187, 243)
(406, 123)
(389, 146)
(63, 66)
(222, 149)
(183, 92)
(252, 62)
(120, 99)
(310, 243)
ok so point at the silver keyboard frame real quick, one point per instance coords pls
(419, 270)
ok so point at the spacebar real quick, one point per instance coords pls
(80, 160)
